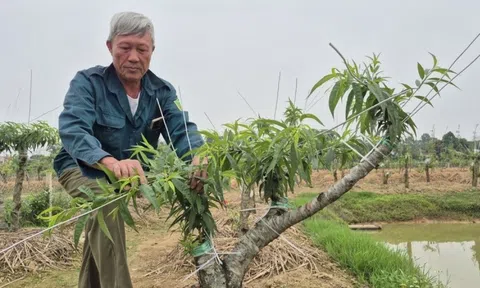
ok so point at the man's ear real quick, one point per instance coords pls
(153, 48)
(109, 46)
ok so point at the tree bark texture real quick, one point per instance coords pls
(427, 171)
(405, 176)
(17, 190)
(244, 204)
(231, 272)
(475, 173)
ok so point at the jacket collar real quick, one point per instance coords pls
(150, 83)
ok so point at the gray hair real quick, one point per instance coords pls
(130, 23)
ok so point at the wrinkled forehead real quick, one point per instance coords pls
(134, 39)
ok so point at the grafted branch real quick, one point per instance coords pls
(273, 224)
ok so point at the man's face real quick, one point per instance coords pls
(131, 55)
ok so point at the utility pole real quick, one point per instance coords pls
(295, 96)
(30, 98)
(475, 148)
(278, 93)
(433, 131)
(458, 131)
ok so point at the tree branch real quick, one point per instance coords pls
(261, 234)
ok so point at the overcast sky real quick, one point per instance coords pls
(211, 49)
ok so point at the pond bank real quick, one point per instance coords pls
(367, 256)
(449, 251)
(369, 260)
(368, 207)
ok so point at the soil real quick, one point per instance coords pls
(441, 180)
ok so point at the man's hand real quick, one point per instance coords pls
(124, 168)
(195, 183)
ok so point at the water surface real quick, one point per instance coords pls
(450, 252)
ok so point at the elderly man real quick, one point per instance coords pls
(106, 111)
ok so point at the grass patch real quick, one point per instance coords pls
(361, 207)
(370, 261)
(35, 203)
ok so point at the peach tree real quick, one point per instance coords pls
(21, 138)
(275, 155)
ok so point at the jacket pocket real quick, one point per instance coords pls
(109, 131)
(110, 121)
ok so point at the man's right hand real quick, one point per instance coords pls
(124, 168)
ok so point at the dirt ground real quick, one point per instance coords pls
(441, 180)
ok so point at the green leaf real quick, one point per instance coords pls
(434, 59)
(358, 98)
(443, 81)
(408, 87)
(293, 158)
(335, 95)
(209, 222)
(103, 225)
(126, 216)
(170, 183)
(310, 116)
(184, 189)
(349, 103)
(421, 71)
(330, 157)
(424, 99)
(87, 191)
(79, 227)
(322, 81)
(110, 175)
(434, 87)
(148, 193)
(135, 206)
(191, 219)
(200, 207)
(378, 93)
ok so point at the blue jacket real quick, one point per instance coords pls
(96, 120)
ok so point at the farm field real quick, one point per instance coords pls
(156, 259)
(302, 240)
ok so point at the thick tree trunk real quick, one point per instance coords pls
(231, 272)
(17, 190)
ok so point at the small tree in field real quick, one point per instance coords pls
(274, 154)
(20, 138)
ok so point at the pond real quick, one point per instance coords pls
(449, 251)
